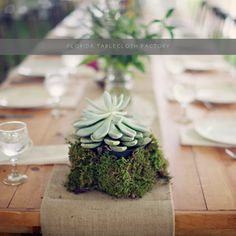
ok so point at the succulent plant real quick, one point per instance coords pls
(110, 126)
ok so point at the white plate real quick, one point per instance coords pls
(179, 64)
(24, 97)
(223, 94)
(72, 22)
(204, 63)
(61, 32)
(220, 129)
(39, 66)
(200, 66)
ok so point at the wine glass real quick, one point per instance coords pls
(71, 62)
(56, 84)
(184, 93)
(14, 140)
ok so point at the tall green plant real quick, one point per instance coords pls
(109, 23)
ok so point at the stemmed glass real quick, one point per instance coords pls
(71, 62)
(14, 140)
(56, 84)
(184, 93)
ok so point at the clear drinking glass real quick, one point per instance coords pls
(14, 140)
(184, 93)
(56, 84)
(71, 62)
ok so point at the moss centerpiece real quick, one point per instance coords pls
(110, 152)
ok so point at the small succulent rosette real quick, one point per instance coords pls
(113, 153)
(110, 126)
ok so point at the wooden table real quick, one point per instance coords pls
(19, 206)
(204, 179)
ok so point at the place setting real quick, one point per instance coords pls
(55, 90)
(35, 68)
(211, 93)
(196, 64)
(105, 140)
(214, 127)
(16, 148)
(212, 131)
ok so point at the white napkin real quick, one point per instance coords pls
(41, 155)
(188, 136)
(34, 96)
(178, 64)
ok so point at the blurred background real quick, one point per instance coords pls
(29, 19)
(193, 18)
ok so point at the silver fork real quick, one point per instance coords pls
(208, 105)
(230, 153)
(15, 116)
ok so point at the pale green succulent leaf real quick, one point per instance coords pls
(103, 130)
(110, 125)
(83, 132)
(125, 103)
(90, 145)
(120, 101)
(88, 114)
(107, 100)
(96, 140)
(144, 141)
(131, 143)
(114, 101)
(86, 140)
(114, 132)
(134, 126)
(118, 148)
(126, 130)
(111, 142)
(88, 122)
(139, 135)
(127, 138)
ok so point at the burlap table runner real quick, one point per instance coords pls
(98, 214)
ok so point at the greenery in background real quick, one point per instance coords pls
(20, 29)
(31, 24)
(124, 177)
(231, 59)
(192, 5)
(109, 23)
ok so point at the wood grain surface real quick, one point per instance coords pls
(203, 184)
(204, 178)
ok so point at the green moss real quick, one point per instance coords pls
(83, 168)
(124, 177)
(113, 175)
(142, 172)
(158, 161)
